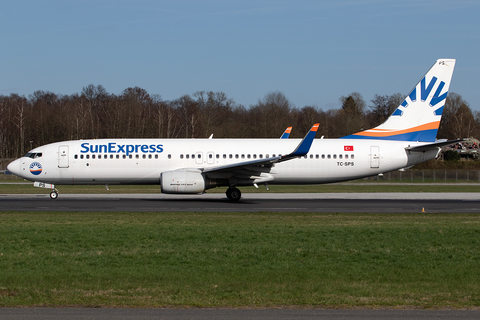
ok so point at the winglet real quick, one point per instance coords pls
(286, 134)
(306, 143)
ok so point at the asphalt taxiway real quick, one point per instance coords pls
(234, 314)
(253, 202)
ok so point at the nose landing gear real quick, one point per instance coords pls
(53, 194)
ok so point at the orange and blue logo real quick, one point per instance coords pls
(35, 168)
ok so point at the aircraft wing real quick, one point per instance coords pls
(432, 146)
(256, 167)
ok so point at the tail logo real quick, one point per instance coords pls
(425, 91)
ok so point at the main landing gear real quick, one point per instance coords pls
(54, 194)
(233, 194)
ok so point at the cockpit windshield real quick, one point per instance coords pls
(33, 155)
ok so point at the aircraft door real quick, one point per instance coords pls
(198, 158)
(63, 157)
(374, 157)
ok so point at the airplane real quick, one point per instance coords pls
(192, 166)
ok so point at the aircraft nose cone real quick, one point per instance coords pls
(14, 167)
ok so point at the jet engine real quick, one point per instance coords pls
(182, 181)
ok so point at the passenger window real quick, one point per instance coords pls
(224, 156)
(130, 156)
(199, 156)
(254, 156)
(334, 156)
(329, 156)
(323, 156)
(352, 156)
(248, 156)
(93, 156)
(236, 156)
(316, 156)
(75, 156)
(243, 156)
(149, 156)
(210, 156)
(260, 156)
(230, 156)
(124, 156)
(187, 156)
(117, 156)
(169, 156)
(193, 156)
(346, 156)
(181, 156)
(87, 156)
(340, 156)
(217, 156)
(137, 156)
(144, 156)
(81, 156)
(311, 156)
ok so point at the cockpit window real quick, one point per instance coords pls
(33, 155)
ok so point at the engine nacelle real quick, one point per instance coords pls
(182, 181)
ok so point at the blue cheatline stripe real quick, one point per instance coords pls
(423, 136)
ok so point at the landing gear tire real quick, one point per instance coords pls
(233, 194)
(54, 195)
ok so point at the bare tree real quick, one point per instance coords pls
(457, 118)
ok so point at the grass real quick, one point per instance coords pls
(239, 259)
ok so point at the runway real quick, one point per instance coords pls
(269, 202)
(234, 314)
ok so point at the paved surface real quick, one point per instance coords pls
(272, 202)
(232, 314)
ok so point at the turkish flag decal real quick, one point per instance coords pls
(348, 148)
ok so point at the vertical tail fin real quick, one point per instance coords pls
(418, 116)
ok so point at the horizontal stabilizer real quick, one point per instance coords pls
(432, 146)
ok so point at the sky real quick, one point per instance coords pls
(312, 51)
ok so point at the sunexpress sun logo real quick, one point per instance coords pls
(127, 149)
(425, 91)
(35, 168)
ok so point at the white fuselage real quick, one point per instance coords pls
(141, 161)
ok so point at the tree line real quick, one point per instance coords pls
(45, 117)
